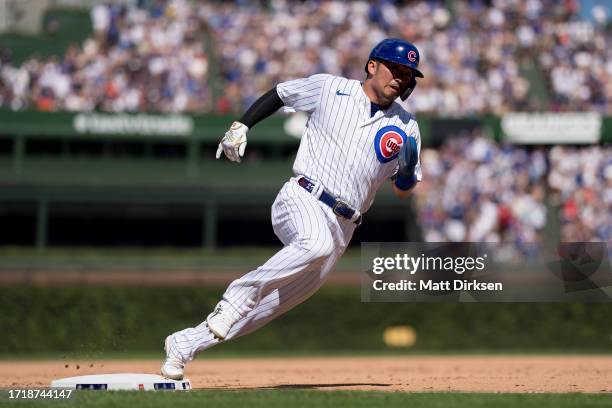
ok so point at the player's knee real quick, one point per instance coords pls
(317, 248)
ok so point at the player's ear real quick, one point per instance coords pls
(372, 67)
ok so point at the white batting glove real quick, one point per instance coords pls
(234, 142)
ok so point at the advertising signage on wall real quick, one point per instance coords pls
(552, 128)
(141, 124)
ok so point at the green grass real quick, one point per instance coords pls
(139, 259)
(299, 398)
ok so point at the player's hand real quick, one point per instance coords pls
(408, 157)
(234, 142)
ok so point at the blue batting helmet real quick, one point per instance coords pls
(400, 52)
(397, 51)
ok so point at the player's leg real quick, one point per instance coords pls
(285, 298)
(192, 341)
(273, 304)
(307, 232)
(300, 224)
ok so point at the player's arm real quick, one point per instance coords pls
(300, 95)
(234, 142)
(406, 178)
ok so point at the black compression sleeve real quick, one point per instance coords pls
(263, 107)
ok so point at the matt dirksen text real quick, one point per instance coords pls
(431, 285)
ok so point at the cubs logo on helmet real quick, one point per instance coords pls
(388, 142)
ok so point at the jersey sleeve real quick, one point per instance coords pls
(302, 94)
(414, 132)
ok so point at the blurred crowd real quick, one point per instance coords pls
(576, 58)
(477, 56)
(581, 183)
(476, 190)
(469, 58)
(138, 59)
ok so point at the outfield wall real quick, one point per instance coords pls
(131, 320)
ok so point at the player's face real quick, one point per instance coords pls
(390, 80)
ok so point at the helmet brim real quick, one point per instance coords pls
(416, 72)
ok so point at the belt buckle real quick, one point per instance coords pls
(339, 205)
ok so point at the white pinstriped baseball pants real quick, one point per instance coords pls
(314, 239)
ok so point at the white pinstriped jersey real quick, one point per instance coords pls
(345, 149)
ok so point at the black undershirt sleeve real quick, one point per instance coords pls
(263, 107)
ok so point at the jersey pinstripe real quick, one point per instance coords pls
(345, 151)
(314, 239)
(338, 143)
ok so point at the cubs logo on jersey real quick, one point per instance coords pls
(388, 142)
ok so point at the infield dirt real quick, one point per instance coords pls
(542, 374)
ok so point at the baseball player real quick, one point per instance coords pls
(357, 136)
